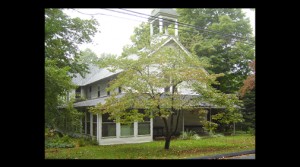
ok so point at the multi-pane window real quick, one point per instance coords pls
(98, 90)
(78, 93)
(127, 129)
(144, 127)
(88, 124)
(108, 126)
(94, 125)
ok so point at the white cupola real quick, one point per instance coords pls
(163, 23)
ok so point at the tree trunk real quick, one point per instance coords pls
(167, 135)
(167, 142)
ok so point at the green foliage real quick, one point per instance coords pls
(68, 119)
(139, 39)
(58, 145)
(88, 57)
(248, 111)
(59, 142)
(251, 131)
(208, 126)
(226, 53)
(57, 84)
(229, 102)
(85, 141)
(62, 37)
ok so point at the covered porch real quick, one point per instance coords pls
(107, 131)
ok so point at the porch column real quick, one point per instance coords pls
(118, 130)
(99, 129)
(160, 24)
(135, 129)
(85, 124)
(91, 124)
(182, 121)
(151, 126)
(176, 28)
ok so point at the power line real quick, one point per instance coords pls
(184, 24)
(157, 17)
(106, 15)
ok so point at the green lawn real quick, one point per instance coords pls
(154, 150)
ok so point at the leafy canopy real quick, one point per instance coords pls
(225, 38)
(62, 37)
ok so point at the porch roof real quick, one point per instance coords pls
(93, 102)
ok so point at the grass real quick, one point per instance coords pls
(155, 150)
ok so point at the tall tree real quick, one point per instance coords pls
(247, 92)
(224, 37)
(151, 80)
(62, 37)
(88, 57)
(139, 39)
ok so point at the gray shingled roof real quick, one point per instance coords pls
(94, 102)
(94, 75)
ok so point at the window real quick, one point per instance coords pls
(94, 125)
(108, 126)
(88, 124)
(167, 89)
(98, 90)
(144, 127)
(120, 90)
(90, 92)
(78, 93)
(127, 130)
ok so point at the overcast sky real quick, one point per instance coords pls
(116, 28)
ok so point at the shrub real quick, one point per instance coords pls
(59, 142)
(186, 135)
(84, 141)
(59, 145)
(251, 131)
